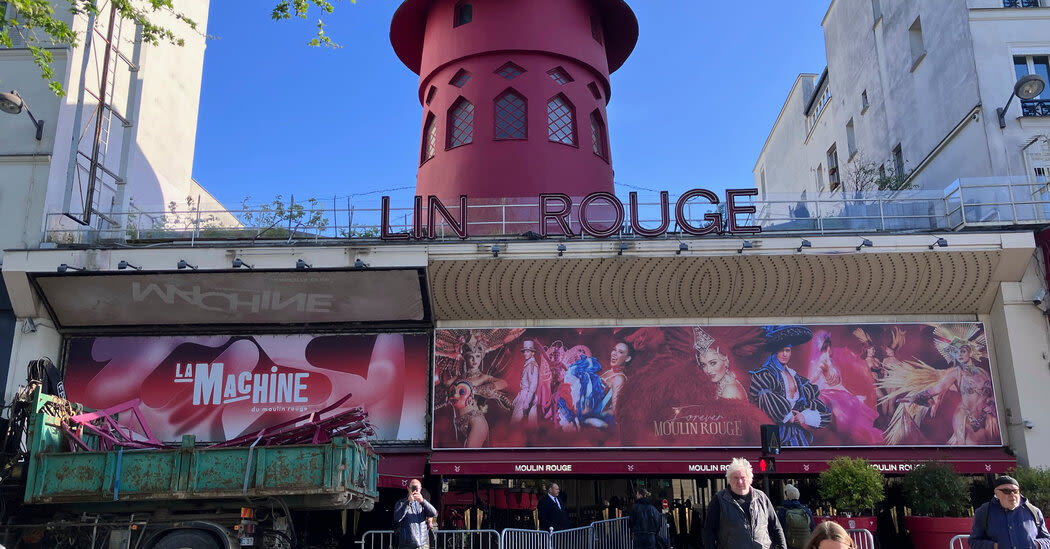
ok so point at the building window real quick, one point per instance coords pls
(510, 71)
(1034, 64)
(512, 114)
(1020, 3)
(898, 163)
(876, 10)
(594, 90)
(430, 94)
(834, 180)
(464, 14)
(429, 147)
(824, 98)
(864, 102)
(598, 136)
(559, 75)
(561, 120)
(851, 138)
(820, 178)
(460, 79)
(1040, 175)
(596, 28)
(762, 181)
(460, 124)
(918, 49)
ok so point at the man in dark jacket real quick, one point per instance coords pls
(410, 516)
(740, 517)
(1008, 521)
(552, 513)
(646, 521)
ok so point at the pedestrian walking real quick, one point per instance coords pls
(552, 513)
(796, 518)
(829, 535)
(741, 517)
(1008, 521)
(646, 521)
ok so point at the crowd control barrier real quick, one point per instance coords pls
(962, 541)
(862, 538)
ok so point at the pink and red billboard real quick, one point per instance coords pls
(221, 387)
(713, 386)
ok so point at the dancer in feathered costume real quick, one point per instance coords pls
(461, 355)
(588, 392)
(851, 417)
(921, 390)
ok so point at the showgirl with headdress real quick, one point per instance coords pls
(921, 389)
(785, 396)
(462, 355)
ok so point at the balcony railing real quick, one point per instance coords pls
(1020, 3)
(1035, 107)
(977, 203)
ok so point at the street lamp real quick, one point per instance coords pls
(1027, 87)
(12, 103)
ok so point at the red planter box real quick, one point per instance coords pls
(936, 531)
(853, 523)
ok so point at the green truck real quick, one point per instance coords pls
(176, 497)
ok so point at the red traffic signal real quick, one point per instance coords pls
(767, 465)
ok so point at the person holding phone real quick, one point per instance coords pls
(410, 518)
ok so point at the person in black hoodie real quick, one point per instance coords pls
(646, 521)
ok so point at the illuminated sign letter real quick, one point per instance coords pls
(617, 207)
(385, 233)
(559, 216)
(732, 210)
(665, 218)
(714, 219)
(434, 205)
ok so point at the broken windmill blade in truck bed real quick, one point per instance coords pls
(104, 425)
(312, 428)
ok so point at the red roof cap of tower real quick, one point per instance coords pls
(407, 28)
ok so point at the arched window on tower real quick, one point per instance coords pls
(561, 120)
(512, 113)
(464, 14)
(460, 124)
(598, 136)
(429, 146)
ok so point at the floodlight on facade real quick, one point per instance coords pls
(12, 103)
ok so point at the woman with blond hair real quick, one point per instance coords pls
(829, 535)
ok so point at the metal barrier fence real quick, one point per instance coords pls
(573, 538)
(515, 538)
(614, 534)
(962, 541)
(862, 539)
(379, 539)
(466, 539)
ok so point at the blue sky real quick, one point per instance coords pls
(690, 108)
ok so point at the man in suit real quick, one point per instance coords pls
(552, 513)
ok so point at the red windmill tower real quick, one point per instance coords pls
(514, 94)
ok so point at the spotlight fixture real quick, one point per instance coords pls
(941, 243)
(64, 267)
(125, 265)
(745, 245)
(495, 250)
(238, 263)
(864, 243)
(682, 247)
(1027, 87)
(183, 264)
(561, 250)
(358, 264)
(805, 244)
(301, 265)
(623, 246)
(12, 103)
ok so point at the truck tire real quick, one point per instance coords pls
(187, 539)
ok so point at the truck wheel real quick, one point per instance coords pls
(187, 539)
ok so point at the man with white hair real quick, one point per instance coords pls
(740, 517)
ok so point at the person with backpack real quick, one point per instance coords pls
(1008, 521)
(646, 521)
(796, 518)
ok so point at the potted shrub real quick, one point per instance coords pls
(854, 487)
(939, 501)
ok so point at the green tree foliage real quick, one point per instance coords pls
(851, 485)
(934, 489)
(1035, 485)
(38, 26)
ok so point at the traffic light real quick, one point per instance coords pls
(767, 465)
(770, 439)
